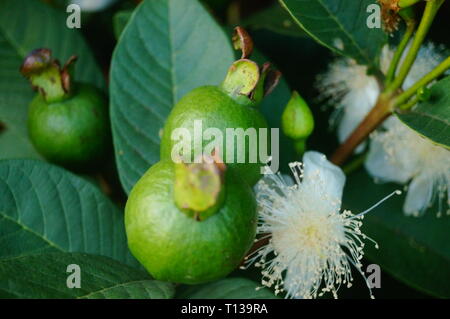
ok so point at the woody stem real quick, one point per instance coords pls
(376, 116)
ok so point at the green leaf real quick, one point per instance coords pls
(431, 118)
(44, 208)
(340, 25)
(24, 26)
(274, 19)
(230, 288)
(168, 48)
(415, 250)
(120, 21)
(47, 275)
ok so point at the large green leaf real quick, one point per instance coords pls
(230, 288)
(340, 25)
(168, 48)
(432, 117)
(46, 276)
(44, 208)
(415, 250)
(24, 26)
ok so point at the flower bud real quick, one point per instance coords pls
(297, 121)
(423, 94)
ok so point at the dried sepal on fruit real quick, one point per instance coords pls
(67, 121)
(199, 187)
(47, 76)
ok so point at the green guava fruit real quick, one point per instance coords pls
(73, 132)
(216, 109)
(175, 247)
(68, 122)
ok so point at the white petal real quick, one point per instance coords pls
(380, 166)
(321, 173)
(420, 193)
(357, 104)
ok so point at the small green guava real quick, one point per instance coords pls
(67, 122)
(73, 132)
(231, 110)
(213, 108)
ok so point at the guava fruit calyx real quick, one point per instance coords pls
(246, 82)
(46, 75)
(199, 187)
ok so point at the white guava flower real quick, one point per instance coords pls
(396, 154)
(312, 243)
(347, 85)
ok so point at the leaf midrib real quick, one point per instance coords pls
(172, 54)
(360, 51)
(21, 52)
(400, 116)
(431, 116)
(24, 227)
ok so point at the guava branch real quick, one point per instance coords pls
(392, 97)
(384, 107)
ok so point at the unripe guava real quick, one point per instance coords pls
(215, 109)
(73, 132)
(175, 247)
